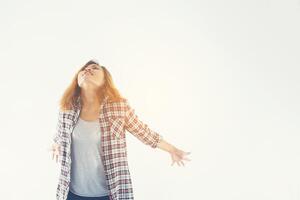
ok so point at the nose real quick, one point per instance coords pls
(89, 70)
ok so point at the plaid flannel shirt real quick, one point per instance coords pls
(115, 118)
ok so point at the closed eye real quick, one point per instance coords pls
(93, 68)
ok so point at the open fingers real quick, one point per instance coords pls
(173, 161)
(55, 153)
(179, 163)
(176, 160)
(182, 163)
(187, 159)
(178, 157)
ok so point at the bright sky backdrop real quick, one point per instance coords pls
(217, 78)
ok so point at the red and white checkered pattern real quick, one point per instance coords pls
(115, 118)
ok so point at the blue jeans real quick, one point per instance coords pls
(72, 196)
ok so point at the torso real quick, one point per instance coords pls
(113, 148)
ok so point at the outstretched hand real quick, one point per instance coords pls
(55, 149)
(178, 156)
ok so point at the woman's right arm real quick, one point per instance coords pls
(57, 137)
(57, 134)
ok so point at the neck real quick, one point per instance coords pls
(89, 98)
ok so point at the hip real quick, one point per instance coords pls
(72, 196)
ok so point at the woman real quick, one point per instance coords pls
(90, 140)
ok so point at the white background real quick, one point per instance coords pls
(217, 78)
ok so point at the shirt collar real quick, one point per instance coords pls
(78, 104)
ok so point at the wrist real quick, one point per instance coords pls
(171, 149)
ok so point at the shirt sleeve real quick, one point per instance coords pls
(140, 129)
(57, 134)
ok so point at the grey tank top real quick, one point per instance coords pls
(87, 172)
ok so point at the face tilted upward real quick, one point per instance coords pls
(92, 75)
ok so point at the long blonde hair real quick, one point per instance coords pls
(70, 96)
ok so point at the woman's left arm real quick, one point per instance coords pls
(140, 129)
(149, 137)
